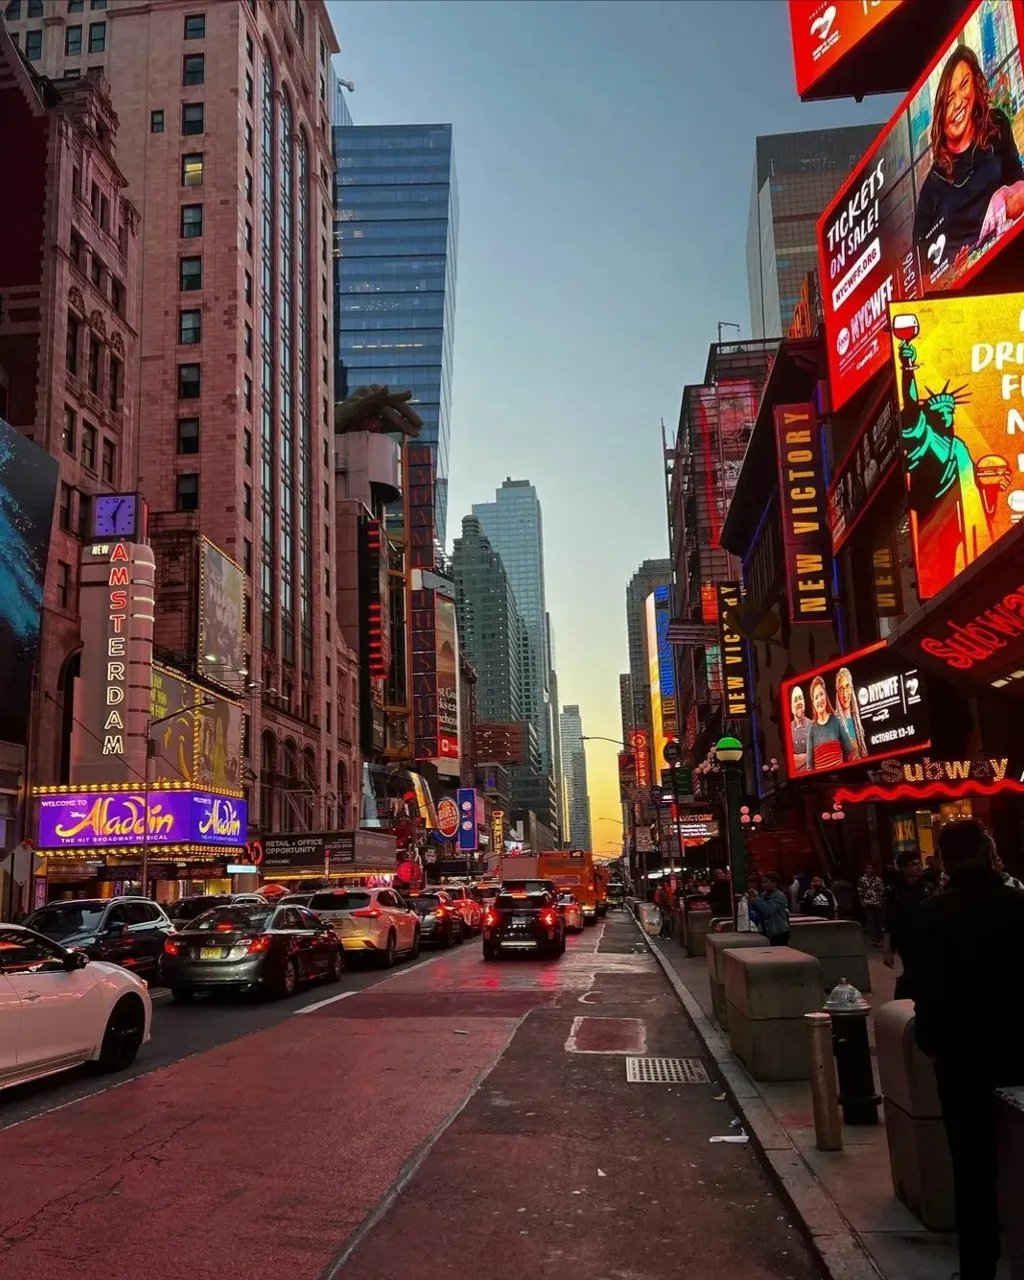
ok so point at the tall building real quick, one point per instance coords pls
(225, 142)
(577, 796)
(795, 177)
(626, 704)
(490, 630)
(396, 227)
(651, 574)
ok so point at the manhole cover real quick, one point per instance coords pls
(666, 1071)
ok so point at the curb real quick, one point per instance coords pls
(831, 1236)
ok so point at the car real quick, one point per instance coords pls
(467, 906)
(572, 912)
(249, 900)
(521, 921)
(185, 910)
(373, 922)
(59, 1009)
(440, 919)
(295, 899)
(127, 931)
(251, 948)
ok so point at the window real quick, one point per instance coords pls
(327, 716)
(247, 556)
(97, 37)
(187, 492)
(70, 429)
(190, 326)
(117, 295)
(188, 435)
(35, 8)
(96, 272)
(116, 388)
(33, 45)
(191, 118)
(75, 249)
(27, 953)
(327, 496)
(191, 221)
(248, 237)
(64, 508)
(192, 169)
(71, 351)
(84, 515)
(89, 446)
(249, 47)
(76, 181)
(195, 26)
(247, 501)
(191, 277)
(156, 122)
(248, 187)
(63, 584)
(249, 88)
(248, 340)
(97, 4)
(248, 289)
(247, 392)
(76, 6)
(13, 11)
(72, 41)
(108, 457)
(189, 381)
(248, 138)
(94, 364)
(193, 68)
(247, 446)
(104, 213)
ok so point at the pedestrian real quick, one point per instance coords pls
(819, 900)
(772, 909)
(1010, 881)
(664, 904)
(720, 896)
(902, 908)
(967, 984)
(753, 891)
(796, 890)
(871, 891)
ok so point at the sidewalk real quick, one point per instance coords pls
(845, 1198)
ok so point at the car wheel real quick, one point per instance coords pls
(490, 951)
(336, 967)
(288, 979)
(414, 954)
(390, 956)
(182, 995)
(449, 937)
(125, 1028)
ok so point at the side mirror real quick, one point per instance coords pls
(75, 960)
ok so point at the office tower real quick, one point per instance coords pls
(651, 574)
(626, 705)
(577, 796)
(556, 732)
(489, 627)
(396, 229)
(225, 142)
(795, 177)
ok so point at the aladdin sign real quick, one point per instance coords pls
(107, 819)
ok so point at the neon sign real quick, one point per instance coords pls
(963, 645)
(117, 666)
(929, 779)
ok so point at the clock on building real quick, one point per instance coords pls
(117, 515)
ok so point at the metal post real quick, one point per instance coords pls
(145, 820)
(734, 831)
(828, 1129)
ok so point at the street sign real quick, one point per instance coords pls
(673, 752)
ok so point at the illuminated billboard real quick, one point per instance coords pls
(806, 541)
(662, 675)
(435, 683)
(221, 618)
(864, 470)
(447, 678)
(825, 31)
(959, 369)
(195, 736)
(861, 707)
(734, 667)
(939, 193)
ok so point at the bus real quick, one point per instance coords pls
(572, 870)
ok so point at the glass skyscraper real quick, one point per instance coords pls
(396, 228)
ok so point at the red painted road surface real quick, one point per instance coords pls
(277, 1156)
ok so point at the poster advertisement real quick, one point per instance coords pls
(824, 32)
(219, 756)
(221, 618)
(806, 540)
(959, 369)
(861, 707)
(173, 728)
(864, 470)
(940, 193)
(447, 678)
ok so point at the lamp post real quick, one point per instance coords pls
(729, 754)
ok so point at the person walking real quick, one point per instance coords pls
(663, 902)
(968, 976)
(819, 900)
(902, 908)
(871, 892)
(772, 908)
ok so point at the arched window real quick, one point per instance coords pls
(268, 780)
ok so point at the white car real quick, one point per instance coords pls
(570, 907)
(58, 1009)
(467, 906)
(373, 922)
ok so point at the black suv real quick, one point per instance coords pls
(124, 931)
(521, 921)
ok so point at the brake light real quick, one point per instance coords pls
(490, 917)
(549, 918)
(260, 943)
(442, 910)
(369, 913)
(171, 947)
(224, 927)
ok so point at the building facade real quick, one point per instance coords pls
(396, 226)
(626, 704)
(795, 177)
(649, 575)
(490, 629)
(578, 835)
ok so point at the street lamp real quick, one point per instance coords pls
(729, 754)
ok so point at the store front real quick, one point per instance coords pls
(312, 860)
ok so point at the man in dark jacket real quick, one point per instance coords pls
(903, 902)
(968, 976)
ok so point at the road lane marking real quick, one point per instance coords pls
(322, 1004)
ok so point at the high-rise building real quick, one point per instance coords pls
(577, 796)
(490, 630)
(556, 732)
(795, 177)
(626, 704)
(396, 227)
(651, 574)
(225, 141)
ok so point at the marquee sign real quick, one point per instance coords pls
(929, 779)
(735, 683)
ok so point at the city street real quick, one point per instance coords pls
(453, 1116)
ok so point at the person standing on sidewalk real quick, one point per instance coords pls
(819, 900)
(902, 909)
(871, 891)
(969, 973)
(664, 904)
(773, 912)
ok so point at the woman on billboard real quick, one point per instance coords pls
(829, 743)
(975, 187)
(848, 711)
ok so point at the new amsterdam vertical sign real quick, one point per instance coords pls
(734, 654)
(806, 538)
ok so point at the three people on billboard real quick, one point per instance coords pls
(832, 736)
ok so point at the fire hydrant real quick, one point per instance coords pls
(857, 1096)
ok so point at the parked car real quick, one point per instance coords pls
(251, 948)
(249, 900)
(185, 910)
(295, 899)
(125, 931)
(572, 912)
(59, 1009)
(440, 919)
(467, 906)
(522, 921)
(374, 922)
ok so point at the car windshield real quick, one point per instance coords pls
(231, 920)
(63, 919)
(339, 901)
(189, 908)
(423, 906)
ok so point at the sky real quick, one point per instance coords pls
(604, 153)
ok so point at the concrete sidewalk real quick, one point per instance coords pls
(858, 1227)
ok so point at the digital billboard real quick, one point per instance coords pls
(864, 470)
(824, 32)
(806, 540)
(930, 203)
(447, 678)
(959, 369)
(663, 694)
(221, 618)
(861, 707)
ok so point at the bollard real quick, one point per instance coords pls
(852, 1049)
(828, 1130)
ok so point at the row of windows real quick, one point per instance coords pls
(86, 439)
(34, 8)
(192, 119)
(98, 378)
(103, 280)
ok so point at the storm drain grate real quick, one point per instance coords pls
(666, 1071)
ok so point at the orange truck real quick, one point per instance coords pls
(573, 871)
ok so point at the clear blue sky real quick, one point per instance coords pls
(604, 153)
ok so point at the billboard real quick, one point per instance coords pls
(28, 484)
(109, 819)
(939, 193)
(641, 749)
(864, 470)
(733, 648)
(805, 537)
(825, 31)
(447, 678)
(221, 651)
(196, 737)
(959, 367)
(420, 486)
(861, 707)
(663, 693)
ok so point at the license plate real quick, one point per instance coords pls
(210, 953)
(521, 920)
